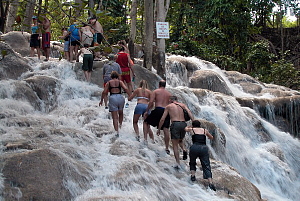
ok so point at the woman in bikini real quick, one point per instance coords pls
(142, 93)
(116, 99)
(200, 149)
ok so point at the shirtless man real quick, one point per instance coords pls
(46, 37)
(87, 34)
(177, 127)
(98, 34)
(161, 98)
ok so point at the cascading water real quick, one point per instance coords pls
(124, 169)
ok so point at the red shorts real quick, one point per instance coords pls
(46, 40)
(126, 76)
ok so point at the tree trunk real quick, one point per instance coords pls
(28, 15)
(12, 14)
(91, 7)
(78, 8)
(132, 28)
(4, 5)
(160, 54)
(148, 48)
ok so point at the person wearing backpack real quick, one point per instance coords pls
(177, 129)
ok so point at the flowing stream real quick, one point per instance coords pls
(150, 175)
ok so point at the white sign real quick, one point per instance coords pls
(162, 30)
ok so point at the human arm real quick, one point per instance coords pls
(65, 34)
(125, 88)
(151, 103)
(188, 129)
(130, 64)
(190, 113)
(92, 30)
(133, 95)
(78, 54)
(104, 93)
(162, 120)
(207, 133)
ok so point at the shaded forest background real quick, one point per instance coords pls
(250, 36)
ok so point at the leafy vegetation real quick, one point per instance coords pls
(225, 32)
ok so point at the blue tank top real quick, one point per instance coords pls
(74, 32)
(34, 29)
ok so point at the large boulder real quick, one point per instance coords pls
(207, 79)
(45, 88)
(41, 175)
(19, 41)
(12, 65)
(233, 185)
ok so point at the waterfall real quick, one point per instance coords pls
(124, 169)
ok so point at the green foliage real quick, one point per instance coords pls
(284, 74)
(260, 57)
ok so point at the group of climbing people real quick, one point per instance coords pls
(161, 109)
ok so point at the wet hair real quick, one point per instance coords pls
(173, 98)
(162, 83)
(196, 123)
(143, 84)
(92, 17)
(111, 57)
(121, 42)
(114, 74)
(122, 49)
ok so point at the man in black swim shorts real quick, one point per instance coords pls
(161, 98)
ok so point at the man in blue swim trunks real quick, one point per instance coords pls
(161, 98)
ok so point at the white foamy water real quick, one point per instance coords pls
(146, 173)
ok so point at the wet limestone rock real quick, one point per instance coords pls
(41, 175)
(19, 41)
(12, 65)
(206, 79)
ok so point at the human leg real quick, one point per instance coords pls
(32, 51)
(166, 137)
(135, 124)
(205, 163)
(86, 75)
(146, 128)
(182, 146)
(71, 53)
(175, 143)
(47, 53)
(115, 117)
(121, 116)
(38, 52)
(76, 51)
(151, 135)
(193, 156)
